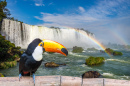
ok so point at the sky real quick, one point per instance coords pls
(109, 20)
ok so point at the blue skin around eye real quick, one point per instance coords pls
(40, 44)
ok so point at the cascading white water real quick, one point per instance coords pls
(22, 34)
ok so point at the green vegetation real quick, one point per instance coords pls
(115, 53)
(92, 49)
(94, 60)
(1, 75)
(108, 50)
(112, 52)
(54, 27)
(77, 49)
(8, 53)
(6, 65)
(4, 12)
(88, 32)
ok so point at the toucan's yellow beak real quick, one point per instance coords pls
(52, 46)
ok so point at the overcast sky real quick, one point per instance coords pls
(109, 20)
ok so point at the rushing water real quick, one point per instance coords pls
(22, 34)
(116, 67)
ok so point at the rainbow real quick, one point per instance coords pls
(91, 38)
(119, 38)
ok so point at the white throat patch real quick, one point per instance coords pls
(37, 54)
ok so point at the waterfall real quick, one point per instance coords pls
(22, 34)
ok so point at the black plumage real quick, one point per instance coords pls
(28, 65)
(32, 46)
(31, 59)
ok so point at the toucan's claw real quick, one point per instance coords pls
(20, 76)
(33, 79)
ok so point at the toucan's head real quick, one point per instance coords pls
(52, 46)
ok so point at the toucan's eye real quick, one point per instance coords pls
(40, 44)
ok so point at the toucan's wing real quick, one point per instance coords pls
(36, 66)
(32, 65)
(22, 62)
(27, 63)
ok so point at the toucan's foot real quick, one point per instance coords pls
(20, 76)
(33, 78)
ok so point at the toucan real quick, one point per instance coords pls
(31, 59)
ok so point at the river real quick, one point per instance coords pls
(114, 67)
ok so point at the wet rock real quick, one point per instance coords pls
(77, 49)
(51, 64)
(62, 64)
(91, 74)
(102, 51)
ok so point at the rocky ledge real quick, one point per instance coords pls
(52, 64)
(91, 74)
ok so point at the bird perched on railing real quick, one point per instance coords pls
(31, 59)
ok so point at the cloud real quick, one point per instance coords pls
(105, 17)
(65, 19)
(36, 4)
(51, 3)
(81, 9)
(110, 8)
(39, 3)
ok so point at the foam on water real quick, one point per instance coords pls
(122, 61)
(77, 55)
(84, 51)
(107, 74)
(111, 75)
(125, 77)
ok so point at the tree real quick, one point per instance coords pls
(4, 12)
